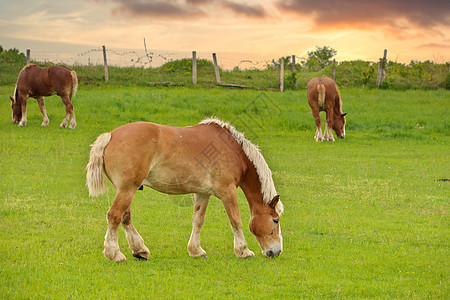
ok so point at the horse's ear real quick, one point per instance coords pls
(274, 201)
(344, 114)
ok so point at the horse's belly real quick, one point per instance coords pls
(178, 183)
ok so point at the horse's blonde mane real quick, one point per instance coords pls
(17, 81)
(340, 100)
(254, 155)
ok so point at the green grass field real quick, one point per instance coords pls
(365, 217)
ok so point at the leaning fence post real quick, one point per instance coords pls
(105, 63)
(282, 75)
(194, 67)
(216, 68)
(381, 69)
(28, 56)
(293, 70)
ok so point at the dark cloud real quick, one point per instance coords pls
(159, 9)
(179, 9)
(256, 11)
(199, 2)
(396, 14)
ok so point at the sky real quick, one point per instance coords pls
(256, 30)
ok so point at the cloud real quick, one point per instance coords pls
(159, 9)
(256, 11)
(398, 15)
(183, 9)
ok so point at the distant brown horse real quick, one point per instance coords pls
(323, 95)
(37, 82)
(211, 158)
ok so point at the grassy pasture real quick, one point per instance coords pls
(364, 217)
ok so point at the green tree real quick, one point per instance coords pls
(320, 57)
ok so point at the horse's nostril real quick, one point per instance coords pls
(269, 253)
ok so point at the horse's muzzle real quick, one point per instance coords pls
(272, 254)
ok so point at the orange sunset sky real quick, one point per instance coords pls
(409, 29)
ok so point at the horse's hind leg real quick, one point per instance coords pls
(318, 137)
(69, 113)
(41, 102)
(134, 239)
(328, 127)
(200, 204)
(114, 217)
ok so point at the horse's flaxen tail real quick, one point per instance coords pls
(321, 97)
(74, 83)
(95, 168)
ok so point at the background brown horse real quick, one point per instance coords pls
(211, 158)
(323, 95)
(37, 82)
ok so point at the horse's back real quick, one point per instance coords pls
(173, 160)
(38, 81)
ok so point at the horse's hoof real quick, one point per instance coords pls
(115, 256)
(244, 253)
(119, 257)
(201, 253)
(141, 255)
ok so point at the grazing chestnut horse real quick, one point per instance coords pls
(323, 95)
(37, 82)
(211, 158)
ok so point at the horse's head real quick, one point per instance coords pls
(265, 225)
(16, 110)
(339, 124)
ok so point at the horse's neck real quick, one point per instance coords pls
(251, 187)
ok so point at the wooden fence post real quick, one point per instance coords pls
(216, 68)
(334, 70)
(282, 75)
(28, 56)
(194, 67)
(293, 70)
(381, 74)
(105, 63)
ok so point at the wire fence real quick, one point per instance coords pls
(145, 59)
(237, 70)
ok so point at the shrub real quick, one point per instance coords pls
(447, 81)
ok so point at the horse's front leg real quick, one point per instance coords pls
(134, 239)
(200, 204)
(45, 120)
(23, 120)
(114, 217)
(231, 206)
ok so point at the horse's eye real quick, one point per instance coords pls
(275, 221)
